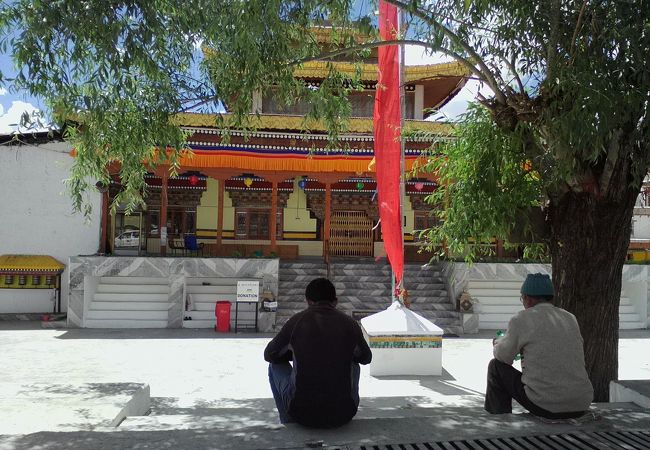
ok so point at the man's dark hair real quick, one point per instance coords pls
(542, 298)
(320, 290)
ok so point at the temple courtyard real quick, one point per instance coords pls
(185, 388)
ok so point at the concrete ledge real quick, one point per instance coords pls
(635, 391)
(29, 408)
(138, 405)
(237, 430)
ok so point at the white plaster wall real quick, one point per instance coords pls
(641, 227)
(36, 214)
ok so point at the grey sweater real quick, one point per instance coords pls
(553, 363)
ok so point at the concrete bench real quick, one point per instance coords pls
(633, 391)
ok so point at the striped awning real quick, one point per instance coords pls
(30, 264)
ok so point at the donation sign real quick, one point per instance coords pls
(248, 291)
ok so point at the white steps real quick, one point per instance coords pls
(141, 302)
(203, 293)
(498, 301)
(121, 323)
(130, 297)
(129, 302)
(127, 315)
(130, 306)
(132, 288)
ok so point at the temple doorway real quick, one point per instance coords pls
(350, 234)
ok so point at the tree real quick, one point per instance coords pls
(567, 130)
(568, 122)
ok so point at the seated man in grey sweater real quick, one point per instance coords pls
(553, 383)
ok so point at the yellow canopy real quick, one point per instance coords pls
(30, 264)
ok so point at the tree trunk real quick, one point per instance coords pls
(590, 236)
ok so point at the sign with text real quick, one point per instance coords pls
(248, 291)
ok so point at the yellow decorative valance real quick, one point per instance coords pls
(369, 72)
(30, 264)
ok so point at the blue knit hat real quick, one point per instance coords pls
(537, 285)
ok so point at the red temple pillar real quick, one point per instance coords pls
(163, 214)
(221, 191)
(326, 221)
(274, 215)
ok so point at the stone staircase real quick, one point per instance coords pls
(293, 278)
(499, 300)
(129, 302)
(364, 286)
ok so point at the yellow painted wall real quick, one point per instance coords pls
(207, 211)
(296, 215)
(228, 212)
(409, 214)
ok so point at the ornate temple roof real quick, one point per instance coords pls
(297, 123)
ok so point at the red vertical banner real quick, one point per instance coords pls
(388, 147)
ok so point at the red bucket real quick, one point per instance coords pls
(222, 312)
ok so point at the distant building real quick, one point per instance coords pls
(36, 213)
(279, 190)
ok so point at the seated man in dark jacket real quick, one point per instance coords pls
(326, 346)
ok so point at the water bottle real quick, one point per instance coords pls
(500, 333)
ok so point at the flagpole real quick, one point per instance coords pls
(402, 94)
(387, 121)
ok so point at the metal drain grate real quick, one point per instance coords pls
(606, 440)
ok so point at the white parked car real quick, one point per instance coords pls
(128, 239)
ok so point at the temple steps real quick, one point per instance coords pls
(364, 286)
(498, 301)
(129, 302)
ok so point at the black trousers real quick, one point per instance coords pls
(504, 384)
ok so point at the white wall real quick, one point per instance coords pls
(36, 214)
(641, 226)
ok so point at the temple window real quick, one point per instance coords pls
(152, 222)
(362, 103)
(422, 220)
(180, 221)
(271, 106)
(253, 223)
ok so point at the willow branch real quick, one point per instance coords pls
(513, 70)
(486, 73)
(551, 51)
(577, 29)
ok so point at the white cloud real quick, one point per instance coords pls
(9, 121)
(458, 105)
(3, 91)
(416, 55)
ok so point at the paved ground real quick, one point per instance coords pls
(210, 391)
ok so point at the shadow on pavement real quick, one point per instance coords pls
(156, 333)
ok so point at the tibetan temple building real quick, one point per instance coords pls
(279, 190)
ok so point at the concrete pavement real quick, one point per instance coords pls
(210, 390)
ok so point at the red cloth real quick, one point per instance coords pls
(388, 148)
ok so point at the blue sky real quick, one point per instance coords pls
(13, 104)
